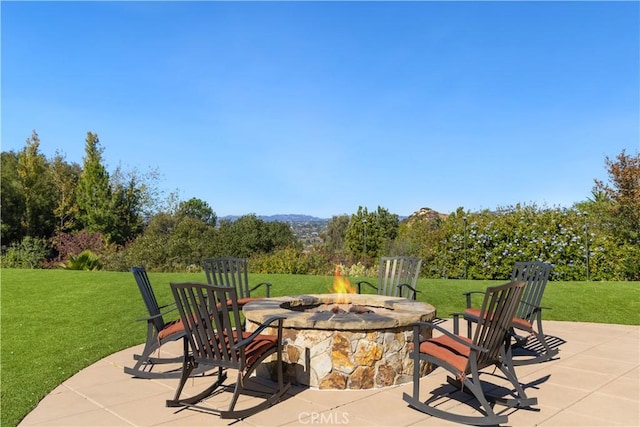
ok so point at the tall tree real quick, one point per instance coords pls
(362, 237)
(32, 169)
(388, 224)
(11, 200)
(129, 194)
(95, 209)
(623, 189)
(334, 236)
(64, 177)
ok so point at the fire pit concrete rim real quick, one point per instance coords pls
(390, 312)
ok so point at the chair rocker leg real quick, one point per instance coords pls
(159, 360)
(491, 418)
(243, 413)
(546, 355)
(189, 401)
(520, 401)
(145, 362)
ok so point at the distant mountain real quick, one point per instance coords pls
(306, 228)
(309, 229)
(290, 218)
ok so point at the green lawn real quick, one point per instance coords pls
(56, 322)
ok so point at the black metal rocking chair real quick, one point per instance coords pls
(232, 272)
(159, 332)
(398, 276)
(216, 339)
(464, 358)
(529, 313)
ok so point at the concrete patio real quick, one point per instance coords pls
(595, 381)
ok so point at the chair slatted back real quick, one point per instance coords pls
(535, 274)
(395, 271)
(212, 328)
(498, 307)
(230, 272)
(150, 301)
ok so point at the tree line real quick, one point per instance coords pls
(64, 215)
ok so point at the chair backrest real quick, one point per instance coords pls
(535, 275)
(148, 296)
(212, 328)
(496, 314)
(395, 271)
(231, 272)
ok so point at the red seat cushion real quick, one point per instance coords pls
(171, 328)
(256, 348)
(517, 321)
(243, 301)
(522, 324)
(448, 350)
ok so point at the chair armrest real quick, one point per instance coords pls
(173, 304)
(267, 284)
(406, 285)
(450, 335)
(260, 328)
(364, 282)
(157, 315)
(535, 308)
(468, 296)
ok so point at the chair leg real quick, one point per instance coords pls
(144, 361)
(242, 378)
(243, 413)
(506, 366)
(471, 385)
(176, 401)
(543, 356)
(144, 364)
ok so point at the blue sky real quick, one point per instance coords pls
(320, 107)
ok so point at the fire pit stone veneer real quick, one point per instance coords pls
(328, 347)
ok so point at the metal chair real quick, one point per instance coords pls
(529, 313)
(232, 272)
(398, 276)
(465, 357)
(159, 332)
(216, 339)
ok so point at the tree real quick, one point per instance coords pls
(12, 200)
(334, 236)
(362, 239)
(32, 169)
(388, 224)
(249, 235)
(199, 209)
(623, 190)
(371, 234)
(279, 235)
(64, 177)
(128, 197)
(94, 193)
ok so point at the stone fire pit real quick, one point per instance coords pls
(330, 343)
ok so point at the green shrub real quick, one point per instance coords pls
(29, 253)
(85, 260)
(281, 261)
